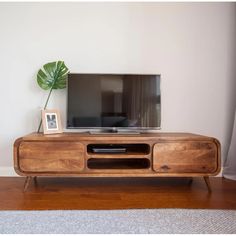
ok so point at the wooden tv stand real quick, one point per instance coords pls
(121, 155)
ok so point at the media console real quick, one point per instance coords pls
(122, 155)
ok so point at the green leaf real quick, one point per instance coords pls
(53, 75)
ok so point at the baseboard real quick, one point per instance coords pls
(7, 171)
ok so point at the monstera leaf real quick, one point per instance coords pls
(52, 75)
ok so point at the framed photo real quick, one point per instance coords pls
(51, 122)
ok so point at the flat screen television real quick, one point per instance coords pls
(113, 101)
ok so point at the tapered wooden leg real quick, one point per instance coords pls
(190, 180)
(207, 181)
(27, 181)
(35, 181)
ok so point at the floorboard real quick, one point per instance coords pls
(116, 193)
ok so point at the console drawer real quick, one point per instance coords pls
(66, 157)
(185, 157)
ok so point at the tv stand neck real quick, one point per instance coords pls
(113, 130)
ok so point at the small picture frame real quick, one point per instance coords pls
(51, 122)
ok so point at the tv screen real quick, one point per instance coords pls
(113, 100)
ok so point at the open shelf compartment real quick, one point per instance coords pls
(129, 149)
(121, 163)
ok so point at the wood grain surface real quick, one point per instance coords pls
(116, 193)
(166, 154)
(51, 157)
(185, 157)
(86, 136)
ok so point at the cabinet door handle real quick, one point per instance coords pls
(165, 168)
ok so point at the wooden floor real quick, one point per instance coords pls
(116, 193)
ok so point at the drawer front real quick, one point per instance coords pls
(185, 157)
(67, 157)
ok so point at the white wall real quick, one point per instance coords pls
(192, 45)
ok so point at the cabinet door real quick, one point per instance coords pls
(185, 157)
(63, 157)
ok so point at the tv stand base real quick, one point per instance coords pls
(112, 131)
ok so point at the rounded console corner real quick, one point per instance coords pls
(18, 142)
(217, 171)
(217, 142)
(18, 171)
(218, 145)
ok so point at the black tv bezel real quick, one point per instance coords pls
(112, 129)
